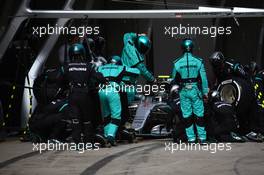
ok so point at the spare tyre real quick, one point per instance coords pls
(239, 92)
(236, 91)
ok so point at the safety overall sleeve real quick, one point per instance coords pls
(144, 72)
(176, 77)
(173, 74)
(202, 72)
(98, 76)
(131, 56)
(130, 37)
(134, 72)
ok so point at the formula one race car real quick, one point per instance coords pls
(154, 115)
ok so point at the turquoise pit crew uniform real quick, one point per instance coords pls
(188, 70)
(135, 48)
(109, 96)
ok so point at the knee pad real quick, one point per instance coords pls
(188, 121)
(107, 120)
(200, 121)
(116, 121)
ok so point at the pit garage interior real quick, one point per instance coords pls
(149, 155)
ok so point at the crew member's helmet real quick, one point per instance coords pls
(77, 51)
(187, 45)
(143, 44)
(217, 58)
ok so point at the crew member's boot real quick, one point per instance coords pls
(110, 133)
(88, 132)
(76, 132)
(99, 137)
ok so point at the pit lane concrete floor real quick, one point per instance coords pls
(144, 157)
